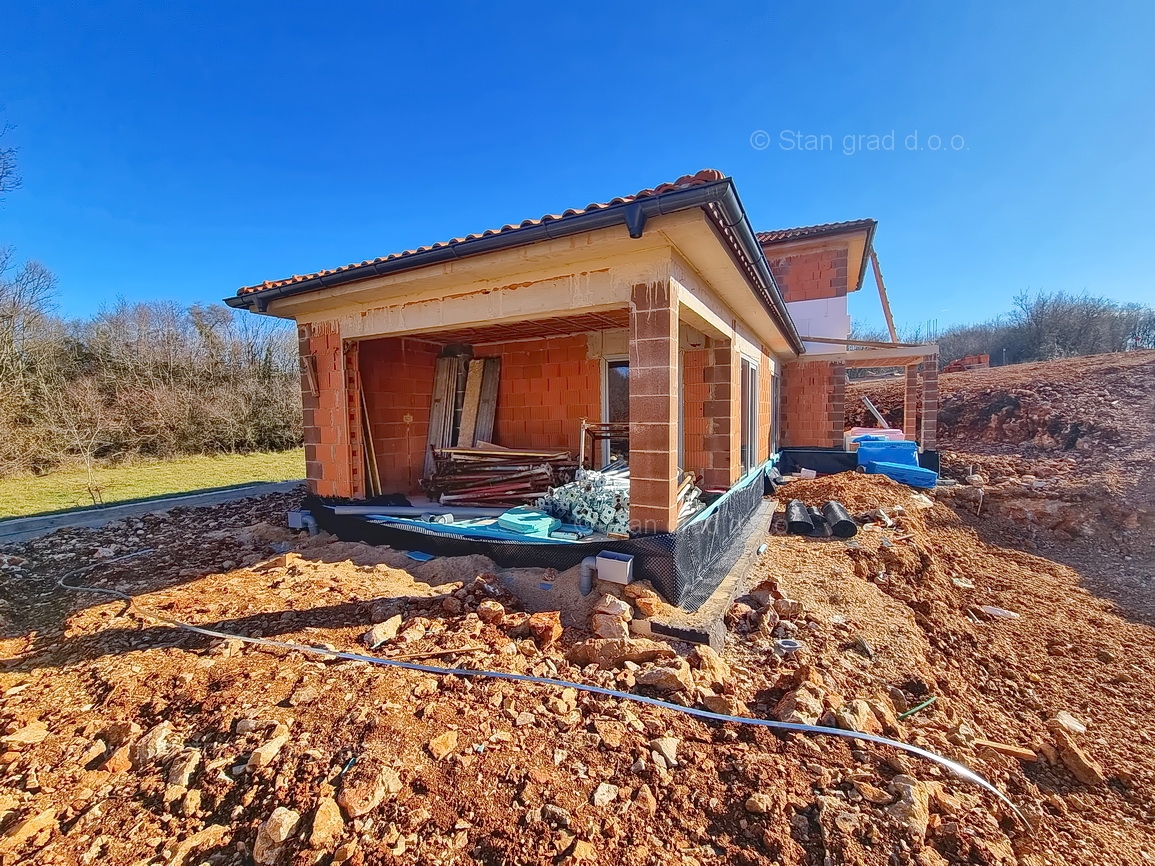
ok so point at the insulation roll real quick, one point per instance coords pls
(841, 523)
(798, 520)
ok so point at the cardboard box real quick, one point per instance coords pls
(615, 567)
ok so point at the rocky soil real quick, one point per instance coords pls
(1055, 457)
(125, 740)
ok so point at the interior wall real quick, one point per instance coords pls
(397, 378)
(695, 393)
(547, 386)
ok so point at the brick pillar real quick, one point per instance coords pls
(930, 404)
(327, 462)
(910, 404)
(653, 407)
(310, 404)
(721, 422)
(355, 437)
(835, 423)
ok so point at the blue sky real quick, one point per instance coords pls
(180, 154)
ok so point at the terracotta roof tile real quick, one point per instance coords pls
(705, 176)
(780, 235)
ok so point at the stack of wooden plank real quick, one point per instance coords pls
(495, 476)
(464, 403)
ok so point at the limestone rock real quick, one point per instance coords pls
(608, 626)
(759, 803)
(725, 705)
(490, 611)
(857, 716)
(803, 706)
(328, 825)
(1068, 723)
(366, 788)
(266, 753)
(26, 829)
(545, 627)
(29, 735)
(152, 745)
(613, 606)
(277, 829)
(615, 652)
(382, 632)
(672, 677)
(644, 597)
(183, 767)
(442, 745)
(912, 808)
(1082, 767)
(120, 761)
(604, 794)
(713, 670)
(788, 608)
(667, 747)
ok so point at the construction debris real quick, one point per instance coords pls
(494, 476)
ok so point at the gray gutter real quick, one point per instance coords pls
(632, 214)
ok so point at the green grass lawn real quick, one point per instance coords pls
(27, 494)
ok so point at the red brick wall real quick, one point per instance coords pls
(695, 393)
(397, 377)
(810, 274)
(812, 403)
(547, 386)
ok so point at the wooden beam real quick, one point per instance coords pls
(882, 295)
(897, 356)
(871, 344)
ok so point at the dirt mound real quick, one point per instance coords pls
(126, 741)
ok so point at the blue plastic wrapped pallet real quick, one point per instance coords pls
(915, 476)
(887, 451)
(528, 521)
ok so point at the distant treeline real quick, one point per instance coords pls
(1045, 326)
(153, 379)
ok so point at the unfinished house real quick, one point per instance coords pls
(653, 335)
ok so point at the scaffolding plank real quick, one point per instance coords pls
(487, 407)
(441, 409)
(467, 431)
(882, 296)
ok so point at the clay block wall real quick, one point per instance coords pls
(811, 274)
(695, 393)
(324, 414)
(813, 399)
(397, 377)
(764, 408)
(547, 386)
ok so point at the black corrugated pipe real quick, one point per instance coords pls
(633, 215)
(841, 523)
(798, 520)
(821, 527)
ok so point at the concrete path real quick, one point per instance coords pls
(22, 528)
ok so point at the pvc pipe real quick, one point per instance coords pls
(588, 572)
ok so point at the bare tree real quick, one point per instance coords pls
(9, 177)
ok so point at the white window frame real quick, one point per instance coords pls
(748, 435)
(605, 389)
